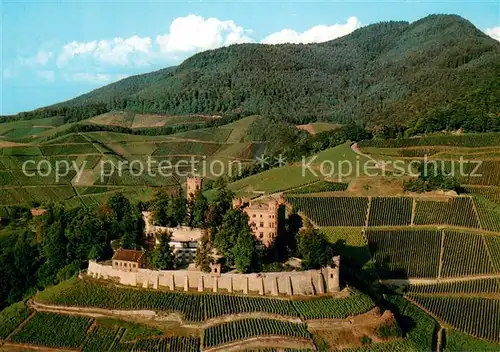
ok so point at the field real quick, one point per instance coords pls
(320, 187)
(478, 286)
(94, 151)
(469, 140)
(478, 317)
(195, 307)
(395, 211)
(465, 254)
(454, 212)
(406, 253)
(346, 211)
(11, 317)
(247, 328)
(65, 330)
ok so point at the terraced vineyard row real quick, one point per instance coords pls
(319, 187)
(488, 213)
(405, 253)
(467, 287)
(332, 211)
(101, 338)
(11, 317)
(169, 344)
(454, 212)
(467, 140)
(327, 308)
(416, 253)
(53, 330)
(465, 254)
(479, 317)
(486, 175)
(393, 211)
(196, 307)
(244, 329)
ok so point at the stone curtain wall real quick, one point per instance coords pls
(301, 283)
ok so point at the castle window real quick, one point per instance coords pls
(331, 276)
(261, 224)
(254, 215)
(260, 215)
(261, 235)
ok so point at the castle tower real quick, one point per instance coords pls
(333, 279)
(193, 185)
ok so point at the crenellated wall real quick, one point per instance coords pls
(301, 283)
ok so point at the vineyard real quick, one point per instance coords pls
(320, 187)
(328, 308)
(195, 307)
(351, 236)
(395, 211)
(488, 285)
(458, 342)
(169, 344)
(467, 140)
(465, 254)
(11, 317)
(332, 211)
(454, 212)
(405, 253)
(478, 317)
(247, 328)
(53, 330)
(101, 338)
(488, 213)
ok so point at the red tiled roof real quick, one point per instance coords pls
(128, 255)
(37, 211)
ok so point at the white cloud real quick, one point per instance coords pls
(494, 32)
(41, 58)
(316, 34)
(118, 51)
(194, 33)
(94, 78)
(47, 75)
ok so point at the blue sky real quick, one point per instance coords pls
(53, 51)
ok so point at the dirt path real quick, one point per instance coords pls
(416, 281)
(14, 347)
(152, 316)
(264, 342)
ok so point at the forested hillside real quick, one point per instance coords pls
(439, 71)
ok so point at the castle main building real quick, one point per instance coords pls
(263, 217)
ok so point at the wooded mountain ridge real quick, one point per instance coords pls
(440, 69)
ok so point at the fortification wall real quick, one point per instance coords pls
(301, 283)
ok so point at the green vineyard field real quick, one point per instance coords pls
(320, 187)
(101, 338)
(332, 211)
(395, 211)
(328, 308)
(53, 330)
(468, 140)
(465, 254)
(405, 253)
(247, 328)
(488, 213)
(478, 317)
(454, 212)
(488, 285)
(195, 307)
(11, 317)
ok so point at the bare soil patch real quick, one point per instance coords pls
(348, 333)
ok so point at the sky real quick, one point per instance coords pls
(55, 50)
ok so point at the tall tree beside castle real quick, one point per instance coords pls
(163, 257)
(235, 241)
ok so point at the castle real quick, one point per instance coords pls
(193, 185)
(263, 217)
